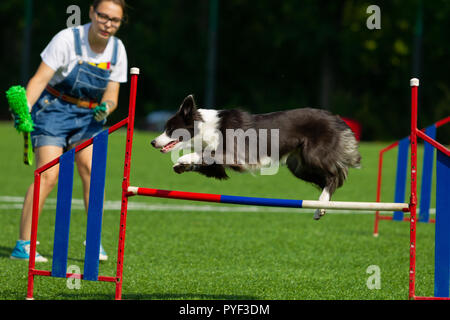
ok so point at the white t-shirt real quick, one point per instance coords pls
(60, 55)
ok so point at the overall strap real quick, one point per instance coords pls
(114, 55)
(76, 34)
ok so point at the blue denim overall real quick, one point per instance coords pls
(60, 123)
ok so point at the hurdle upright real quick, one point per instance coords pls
(401, 176)
(442, 262)
(95, 211)
(442, 223)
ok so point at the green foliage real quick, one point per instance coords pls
(271, 55)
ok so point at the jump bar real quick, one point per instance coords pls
(207, 197)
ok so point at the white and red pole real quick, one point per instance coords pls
(126, 181)
(414, 83)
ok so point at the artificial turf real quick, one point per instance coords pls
(174, 251)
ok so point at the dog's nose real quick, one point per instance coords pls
(153, 143)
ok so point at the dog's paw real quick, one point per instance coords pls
(319, 213)
(190, 158)
(180, 168)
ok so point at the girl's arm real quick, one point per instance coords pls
(111, 95)
(38, 83)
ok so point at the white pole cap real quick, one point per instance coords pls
(134, 71)
(133, 190)
(414, 82)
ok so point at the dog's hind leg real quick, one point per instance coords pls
(332, 183)
(306, 173)
(325, 196)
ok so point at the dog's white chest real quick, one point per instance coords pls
(208, 128)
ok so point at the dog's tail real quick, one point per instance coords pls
(348, 150)
(346, 156)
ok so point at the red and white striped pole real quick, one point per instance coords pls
(414, 83)
(126, 181)
(33, 239)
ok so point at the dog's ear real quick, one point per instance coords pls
(188, 106)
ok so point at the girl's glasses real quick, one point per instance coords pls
(103, 19)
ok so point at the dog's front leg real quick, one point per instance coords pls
(188, 162)
(325, 196)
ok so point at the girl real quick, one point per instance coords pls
(73, 91)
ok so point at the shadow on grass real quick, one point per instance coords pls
(185, 296)
(6, 251)
(156, 296)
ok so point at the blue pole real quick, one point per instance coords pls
(442, 235)
(400, 182)
(95, 210)
(427, 176)
(262, 201)
(63, 210)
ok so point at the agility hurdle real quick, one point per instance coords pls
(442, 261)
(95, 209)
(268, 202)
(401, 176)
(442, 224)
(96, 205)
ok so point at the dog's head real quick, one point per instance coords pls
(179, 128)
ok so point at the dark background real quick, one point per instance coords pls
(270, 55)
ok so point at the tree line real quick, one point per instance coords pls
(270, 55)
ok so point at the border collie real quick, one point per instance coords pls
(317, 146)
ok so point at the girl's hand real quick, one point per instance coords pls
(101, 111)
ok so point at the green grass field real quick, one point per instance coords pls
(185, 250)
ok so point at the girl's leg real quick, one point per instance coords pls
(49, 179)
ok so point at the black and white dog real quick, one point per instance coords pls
(316, 146)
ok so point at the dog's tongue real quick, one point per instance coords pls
(169, 146)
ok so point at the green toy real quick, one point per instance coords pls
(18, 105)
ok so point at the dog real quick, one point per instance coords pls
(317, 146)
